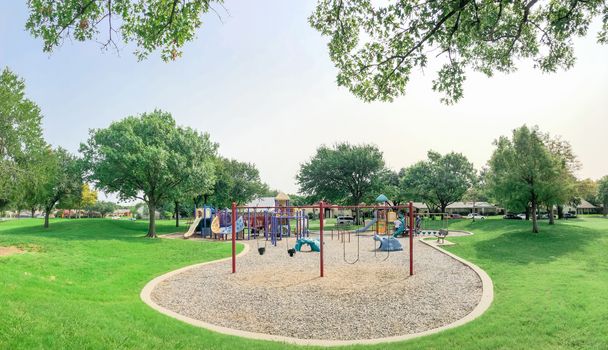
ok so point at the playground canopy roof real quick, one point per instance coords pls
(282, 197)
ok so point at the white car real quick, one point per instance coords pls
(476, 216)
(522, 216)
(344, 220)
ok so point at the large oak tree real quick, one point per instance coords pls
(343, 173)
(377, 44)
(440, 180)
(147, 157)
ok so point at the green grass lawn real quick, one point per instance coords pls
(78, 287)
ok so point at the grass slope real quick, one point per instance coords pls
(79, 285)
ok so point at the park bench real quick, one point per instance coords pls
(441, 236)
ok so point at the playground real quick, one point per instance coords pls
(276, 295)
(373, 282)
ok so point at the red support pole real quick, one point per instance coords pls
(321, 218)
(233, 237)
(412, 223)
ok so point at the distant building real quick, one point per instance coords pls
(123, 213)
(584, 207)
(464, 208)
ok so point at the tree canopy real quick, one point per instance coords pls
(602, 193)
(62, 178)
(150, 24)
(439, 180)
(236, 182)
(343, 174)
(20, 136)
(147, 157)
(377, 45)
(523, 173)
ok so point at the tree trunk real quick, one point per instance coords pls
(152, 222)
(528, 213)
(33, 210)
(534, 220)
(551, 219)
(443, 206)
(605, 210)
(177, 214)
(47, 213)
(560, 211)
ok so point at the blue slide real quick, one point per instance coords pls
(366, 227)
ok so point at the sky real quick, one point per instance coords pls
(260, 81)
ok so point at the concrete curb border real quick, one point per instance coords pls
(484, 303)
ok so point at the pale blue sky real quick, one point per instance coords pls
(262, 85)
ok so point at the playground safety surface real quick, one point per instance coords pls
(375, 298)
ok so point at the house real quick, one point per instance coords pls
(584, 207)
(122, 213)
(465, 208)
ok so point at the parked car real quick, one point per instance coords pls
(569, 215)
(522, 216)
(344, 220)
(546, 216)
(455, 216)
(475, 216)
(511, 216)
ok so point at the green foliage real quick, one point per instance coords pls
(376, 46)
(61, 177)
(587, 189)
(150, 24)
(602, 193)
(343, 174)
(523, 172)
(236, 182)
(440, 180)
(20, 138)
(148, 157)
(103, 207)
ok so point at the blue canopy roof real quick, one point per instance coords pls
(381, 199)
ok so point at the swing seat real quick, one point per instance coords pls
(261, 250)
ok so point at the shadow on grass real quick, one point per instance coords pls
(515, 244)
(85, 229)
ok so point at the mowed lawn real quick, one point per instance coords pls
(78, 287)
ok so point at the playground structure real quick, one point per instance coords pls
(285, 216)
(273, 223)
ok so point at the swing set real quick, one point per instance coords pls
(381, 223)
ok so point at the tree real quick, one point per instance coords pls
(440, 180)
(62, 178)
(103, 208)
(150, 24)
(565, 190)
(602, 193)
(342, 174)
(523, 173)
(388, 183)
(236, 182)
(587, 189)
(20, 138)
(147, 157)
(376, 47)
(87, 199)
